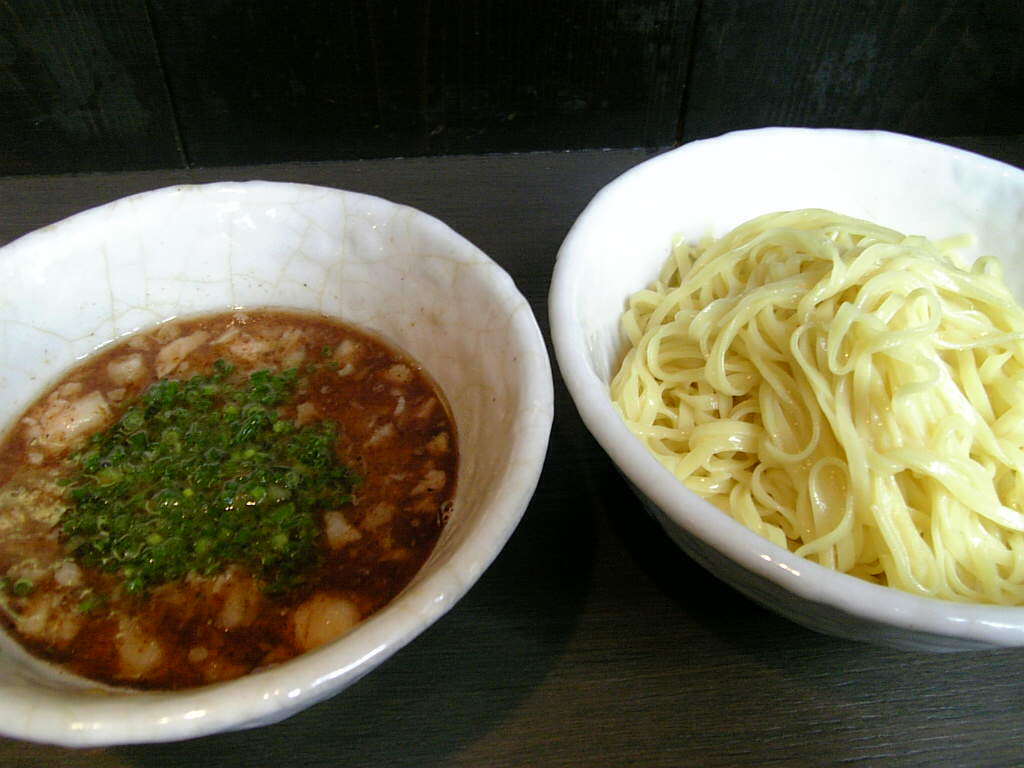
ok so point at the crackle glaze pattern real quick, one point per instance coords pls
(621, 240)
(78, 284)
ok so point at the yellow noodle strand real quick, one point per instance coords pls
(846, 391)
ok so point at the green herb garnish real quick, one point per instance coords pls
(200, 474)
(89, 602)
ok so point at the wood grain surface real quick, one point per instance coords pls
(81, 88)
(592, 640)
(94, 85)
(938, 68)
(318, 80)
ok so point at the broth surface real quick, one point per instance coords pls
(393, 429)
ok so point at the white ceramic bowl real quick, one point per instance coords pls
(622, 238)
(106, 272)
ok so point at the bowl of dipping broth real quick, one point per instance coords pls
(802, 349)
(257, 437)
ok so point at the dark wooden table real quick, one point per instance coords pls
(591, 641)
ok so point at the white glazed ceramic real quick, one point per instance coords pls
(75, 285)
(622, 238)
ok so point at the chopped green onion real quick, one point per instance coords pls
(202, 473)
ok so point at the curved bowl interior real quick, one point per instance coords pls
(69, 288)
(619, 243)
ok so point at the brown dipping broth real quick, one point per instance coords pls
(393, 427)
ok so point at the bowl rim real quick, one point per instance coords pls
(993, 624)
(260, 698)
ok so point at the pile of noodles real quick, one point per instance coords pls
(851, 393)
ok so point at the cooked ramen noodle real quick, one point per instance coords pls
(846, 391)
(217, 495)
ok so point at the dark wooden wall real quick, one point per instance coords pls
(130, 84)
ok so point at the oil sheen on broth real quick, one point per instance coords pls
(118, 620)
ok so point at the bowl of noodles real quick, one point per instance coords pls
(247, 457)
(804, 350)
